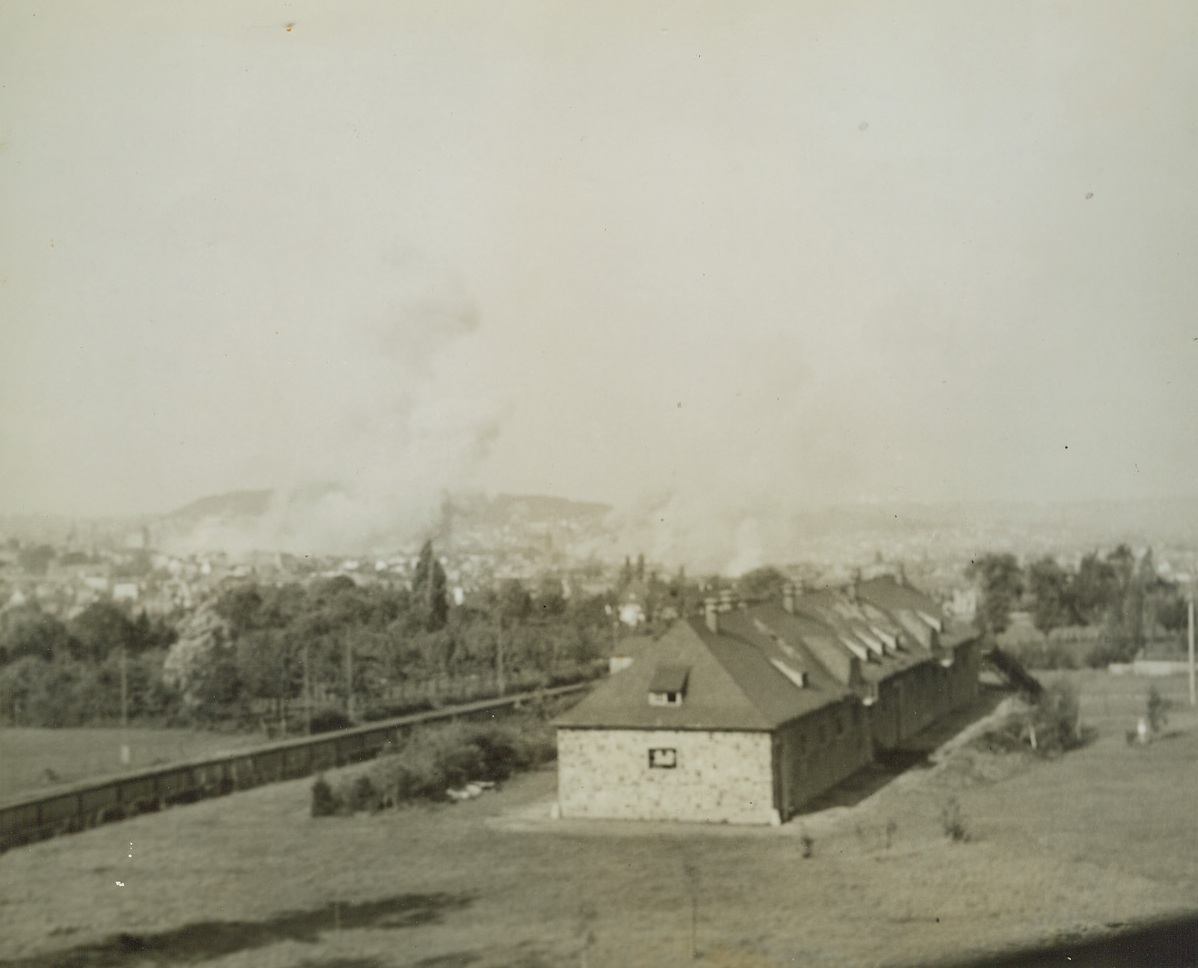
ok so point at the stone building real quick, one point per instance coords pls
(747, 713)
(722, 719)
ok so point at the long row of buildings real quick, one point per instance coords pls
(747, 712)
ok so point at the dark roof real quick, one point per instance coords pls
(669, 677)
(855, 627)
(731, 683)
(816, 638)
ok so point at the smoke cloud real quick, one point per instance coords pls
(396, 412)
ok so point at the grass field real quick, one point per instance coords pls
(1082, 845)
(34, 759)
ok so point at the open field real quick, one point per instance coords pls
(35, 759)
(1095, 840)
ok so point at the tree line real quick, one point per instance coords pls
(1124, 598)
(259, 650)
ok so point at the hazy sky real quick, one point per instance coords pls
(695, 259)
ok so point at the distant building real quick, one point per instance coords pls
(633, 607)
(125, 591)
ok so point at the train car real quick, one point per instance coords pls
(177, 785)
(324, 755)
(350, 748)
(99, 804)
(269, 765)
(297, 761)
(241, 770)
(215, 777)
(73, 809)
(138, 794)
(59, 815)
(18, 824)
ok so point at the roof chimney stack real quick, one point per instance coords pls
(788, 597)
(712, 615)
(727, 600)
(852, 589)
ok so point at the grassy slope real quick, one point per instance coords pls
(80, 754)
(1095, 839)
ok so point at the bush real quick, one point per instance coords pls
(436, 759)
(329, 720)
(1054, 719)
(952, 821)
(1049, 726)
(1158, 710)
(360, 794)
(324, 801)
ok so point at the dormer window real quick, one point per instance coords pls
(668, 685)
(797, 676)
(665, 699)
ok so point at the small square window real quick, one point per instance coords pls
(663, 758)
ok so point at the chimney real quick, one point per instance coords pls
(788, 597)
(712, 615)
(727, 600)
(851, 590)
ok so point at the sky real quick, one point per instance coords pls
(711, 263)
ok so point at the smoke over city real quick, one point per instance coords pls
(402, 419)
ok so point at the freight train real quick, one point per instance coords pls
(88, 804)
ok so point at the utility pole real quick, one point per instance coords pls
(500, 682)
(307, 694)
(125, 757)
(1190, 611)
(349, 678)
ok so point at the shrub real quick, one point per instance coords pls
(360, 794)
(952, 821)
(1158, 710)
(324, 801)
(438, 758)
(329, 720)
(1054, 719)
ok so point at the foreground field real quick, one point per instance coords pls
(35, 759)
(1093, 841)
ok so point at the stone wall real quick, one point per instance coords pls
(715, 777)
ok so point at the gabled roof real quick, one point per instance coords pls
(731, 682)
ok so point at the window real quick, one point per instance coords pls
(668, 684)
(663, 758)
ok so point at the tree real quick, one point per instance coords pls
(35, 560)
(551, 601)
(28, 631)
(428, 590)
(1095, 589)
(762, 584)
(1001, 581)
(102, 629)
(200, 666)
(1050, 586)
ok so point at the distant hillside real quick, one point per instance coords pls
(234, 504)
(541, 507)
